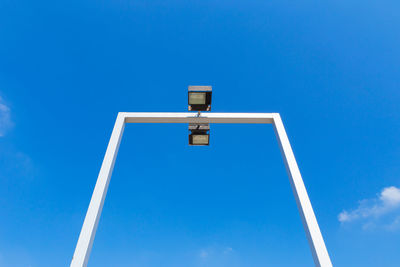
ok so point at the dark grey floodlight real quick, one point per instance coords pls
(199, 134)
(199, 98)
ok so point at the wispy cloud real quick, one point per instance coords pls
(369, 211)
(228, 250)
(214, 252)
(15, 164)
(203, 254)
(5, 118)
(394, 225)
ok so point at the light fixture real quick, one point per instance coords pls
(199, 98)
(199, 134)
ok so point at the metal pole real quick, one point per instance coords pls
(310, 224)
(88, 232)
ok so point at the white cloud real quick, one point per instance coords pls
(370, 210)
(391, 196)
(5, 118)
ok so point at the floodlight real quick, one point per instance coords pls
(200, 139)
(199, 134)
(199, 98)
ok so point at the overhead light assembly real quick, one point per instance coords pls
(199, 98)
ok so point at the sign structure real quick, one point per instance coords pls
(310, 224)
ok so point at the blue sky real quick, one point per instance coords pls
(330, 69)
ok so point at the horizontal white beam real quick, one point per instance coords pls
(191, 117)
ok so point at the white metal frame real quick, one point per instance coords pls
(88, 232)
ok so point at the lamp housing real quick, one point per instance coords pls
(199, 98)
(199, 134)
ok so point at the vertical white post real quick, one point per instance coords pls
(314, 236)
(88, 232)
